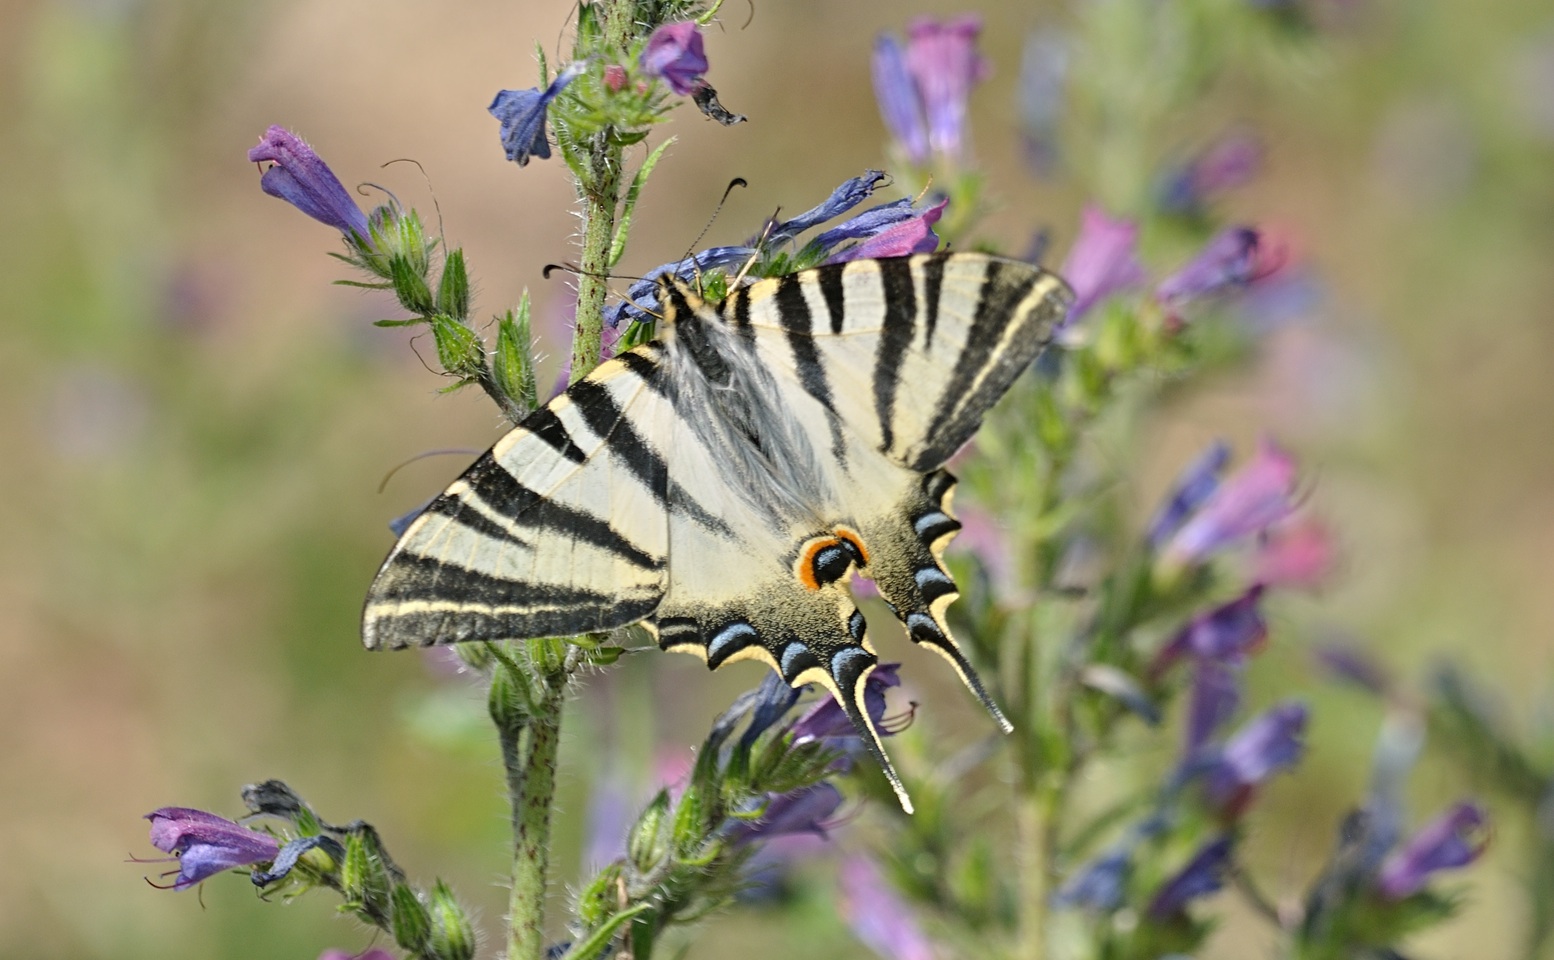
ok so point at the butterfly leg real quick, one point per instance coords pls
(907, 547)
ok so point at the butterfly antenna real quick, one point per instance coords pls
(690, 253)
(383, 484)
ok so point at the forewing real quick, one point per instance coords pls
(560, 529)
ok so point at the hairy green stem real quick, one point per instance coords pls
(530, 759)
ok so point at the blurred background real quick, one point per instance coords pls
(194, 424)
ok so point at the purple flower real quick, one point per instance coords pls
(1227, 261)
(1296, 553)
(1203, 875)
(849, 194)
(206, 844)
(1213, 699)
(943, 60)
(1354, 666)
(912, 235)
(1259, 495)
(1264, 746)
(1226, 164)
(374, 953)
(675, 52)
(1103, 260)
(878, 916)
(1099, 885)
(1226, 634)
(1044, 65)
(522, 114)
(1453, 839)
(923, 90)
(827, 721)
(1195, 485)
(303, 180)
(806, 810)
(898, 99)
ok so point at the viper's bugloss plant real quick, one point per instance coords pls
(1120, 647)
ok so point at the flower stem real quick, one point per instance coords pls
(530, 759)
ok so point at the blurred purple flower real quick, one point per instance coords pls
(1204, 874)
(1262, 747)
(522, 114)
(897, 95)
(1103, 260)
(1229, 260)
(878, 916)
(1346, 662)
(1195, 485)
(1228, 163)
(1044, 65)
(676, 53)
(912, 235)
(1257, 496)
(1296, 553)
(302, 179)
(806, 810)
(373, 953)
(923, 90)
(1453, 839)
(943, 60)
(205, 844)
(1227, 633)
(1212, 701)
(1099, 885)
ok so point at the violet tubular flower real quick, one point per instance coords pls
(879, 918)
(808, 810)
(897, 96)
(205, 844)
(1195, 485)
(1453, 839)
(1228, 261)
(1103, 260)
(1204, 874)
(301, 178)
(522, 114)
(1271, 742)
(1257, 496)
(923, 89)
(1226, 164)
(676, 54)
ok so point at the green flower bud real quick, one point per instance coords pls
(645, 847)
(509, 699)
(598, 900)
(513, 365)
(453, 937)
(363, 878)
(458, 347)
(453, 292)
(411, 923)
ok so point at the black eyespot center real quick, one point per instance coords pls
(832, 562)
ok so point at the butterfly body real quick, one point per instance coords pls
(722, 483)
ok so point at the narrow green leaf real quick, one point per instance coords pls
(593, 945)
(410, 322)
(623, 225)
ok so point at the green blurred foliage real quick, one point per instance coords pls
(192, 448)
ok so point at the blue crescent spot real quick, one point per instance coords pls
(923, 620)
(929, 575)
(928, 521)
(845, 656)
(790, 653)
(727, 637)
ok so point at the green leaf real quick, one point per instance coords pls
(410, 322)
(453, 292)
(623, 225)
(593, 945)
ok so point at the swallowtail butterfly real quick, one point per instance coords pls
(721, 483)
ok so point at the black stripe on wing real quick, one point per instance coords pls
(900, 324)
(794, 315)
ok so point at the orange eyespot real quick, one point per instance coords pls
(851, 536)
(825, 560)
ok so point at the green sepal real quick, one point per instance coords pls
(364, 880)
(452, 937)
(409, 322)
(623, 225)
(410, 286)
(453, 291)
(595, 943)
(476, 656)
(458, 347)
(512, 367)
(691, 819)
(645, 847)
(600, 896)
(411, 923)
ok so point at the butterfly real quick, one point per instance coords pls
(721, 483)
